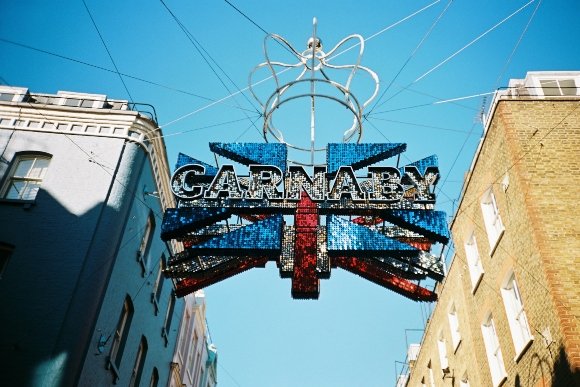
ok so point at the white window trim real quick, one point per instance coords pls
(474, 263)
(442, 349)
(521, 334)
(453, 318)
(492, 219)
(38, 180)
(431, 376)
(464, 380)
(493, 351)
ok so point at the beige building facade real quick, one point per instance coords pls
(509, 309)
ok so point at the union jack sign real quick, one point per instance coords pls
(379, 225)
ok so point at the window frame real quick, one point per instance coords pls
(154, 380)
(516, 315)
(557, 82)
(494, 226)
(474, 262)
(493, 351)
(120, 336)
(145, 245)
(442, 350)
(37, 180)
(6, 251)
(139, 365)
(453, 319)
(430, 373)
(158, 287)
(168, 317)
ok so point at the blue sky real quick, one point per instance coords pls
(355, 332)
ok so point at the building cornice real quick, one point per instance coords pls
(93, 122)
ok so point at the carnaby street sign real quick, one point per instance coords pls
(380, 225)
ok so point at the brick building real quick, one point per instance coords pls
(195, 358)
(509, 309)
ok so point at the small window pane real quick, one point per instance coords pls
(568, 87)
(23, 167)
(39, 168)
(87, 103)
(72, 102)
(5, 254)
(7, 96)
(26, 178)
(550, 87)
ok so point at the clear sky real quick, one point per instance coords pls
(355, 332)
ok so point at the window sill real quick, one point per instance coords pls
(141, 260)
(111, 366)
(501, 381)
(155, 303)
(165, 336)
(477, 282)
(493, 245)
(524, 349)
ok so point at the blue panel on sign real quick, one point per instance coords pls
(179, 221)
(432, 224)
(430, 161)
(359, 155)
(346, 238)
(183, 159)
(260, 238)
(253, 153)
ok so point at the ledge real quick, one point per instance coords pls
(524, 349)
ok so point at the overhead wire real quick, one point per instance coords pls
(205, 127)
(113, 71)
(199, 48)
(411, 56)
(247, 17)
(108, 52)
(503, 70)
(421, 125)
(271, 76)
(473, 41)
(454, 54)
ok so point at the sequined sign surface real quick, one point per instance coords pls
(376, 221)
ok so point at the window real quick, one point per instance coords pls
(197, 369)
(442, 347)
(192, 362)
(121, 333)
(145, 243)
(473, 261)
(7, 96)
(464, 381)
(154, 378)
(139, 363)
(431, 377)
(492, 219)
(184, 337)
(558, 87)
(516, 315)
(168, 317)
(159, 283)
(5, 254)
(493, 350)
(454, 326)
(26, 176)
